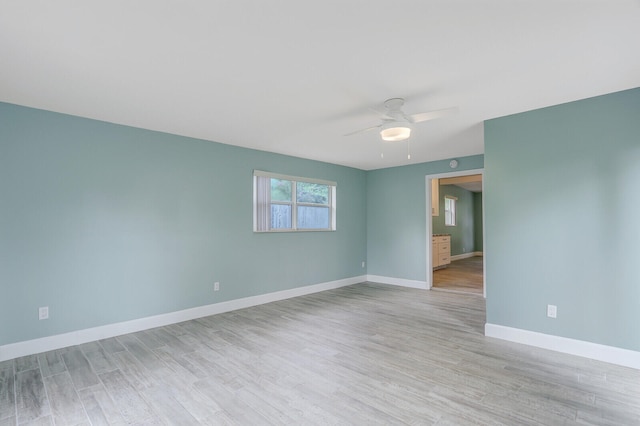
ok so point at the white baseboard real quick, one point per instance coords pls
(466, 255)
(610, 354)
(397, 281)
(44, 344)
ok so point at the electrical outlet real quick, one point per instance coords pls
(363, 263)
(43, 313)
(552, 311)
(216, 286)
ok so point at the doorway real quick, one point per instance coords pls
(455, 251)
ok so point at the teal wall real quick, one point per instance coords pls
(478, 226)
(106, 223)
(463, 234)
(396, 217)
(562, 202)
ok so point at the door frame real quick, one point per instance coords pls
(429, 220)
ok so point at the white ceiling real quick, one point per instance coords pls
(471, 186)
(471, 183)
(293, 76)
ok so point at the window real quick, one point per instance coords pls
(450, 210)
(289, 203)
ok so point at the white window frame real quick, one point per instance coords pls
(450, 210)
(262, 203)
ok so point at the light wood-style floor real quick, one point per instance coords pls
(464, 275)
(366, 354)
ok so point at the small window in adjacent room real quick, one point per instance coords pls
(290, 203)
(450, 210)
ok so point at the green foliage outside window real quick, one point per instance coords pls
(280, 190)
(312, 193)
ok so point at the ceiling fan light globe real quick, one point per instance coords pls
(395, 134)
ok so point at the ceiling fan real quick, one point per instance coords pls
(396, 125)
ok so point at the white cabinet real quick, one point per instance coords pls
(440, 251)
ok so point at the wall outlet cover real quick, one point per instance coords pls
(43, 313)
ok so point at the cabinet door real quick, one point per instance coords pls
(444, 248)
(434, 254)
(444, 259)
(435, 197)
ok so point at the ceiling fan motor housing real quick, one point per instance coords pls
(397, 126)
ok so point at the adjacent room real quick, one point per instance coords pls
(457, 234)
(320, 213)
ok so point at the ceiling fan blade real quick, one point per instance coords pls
(363, 130)
(432, 115)
(381, 114)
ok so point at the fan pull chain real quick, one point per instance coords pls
(408, 149)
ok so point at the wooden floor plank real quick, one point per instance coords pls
(8, 421)
(7, 365)
(111, 345)
(31, 397)
(133, 407)
(100, 407)
(66, 407)
(26, 363)
(94, 411)
(79, 368)
(41, 421)
(51, 363)
(168, 408)
(7, 394)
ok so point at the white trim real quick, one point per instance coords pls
(294, 178)
(450, 219)
(44, 344)
(397, 281)
(466, 255)
(610, 354)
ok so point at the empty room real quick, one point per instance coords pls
(244, 213)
